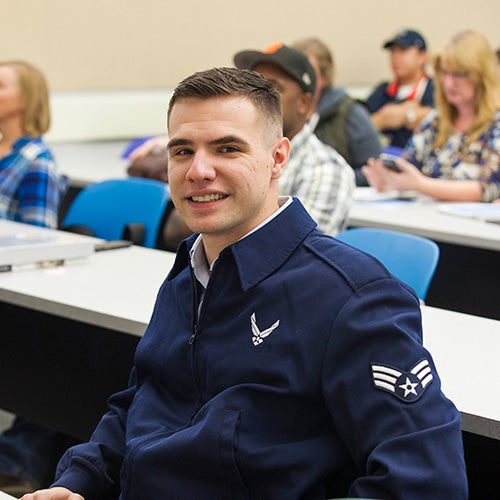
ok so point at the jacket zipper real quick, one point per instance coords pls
(193, 335)
(195, 308)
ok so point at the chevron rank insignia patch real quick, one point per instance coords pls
(407, 386)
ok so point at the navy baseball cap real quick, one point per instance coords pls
(290, 60)
(407, 38)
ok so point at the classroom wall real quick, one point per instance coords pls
(111, 64)
(147, 44)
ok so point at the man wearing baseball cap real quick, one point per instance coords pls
(315, 173)
(397, 106)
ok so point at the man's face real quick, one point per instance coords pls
(224, 161)
(294, 101)
(407, 63)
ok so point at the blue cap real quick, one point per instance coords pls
(407, 38)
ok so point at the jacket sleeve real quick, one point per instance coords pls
(385, 399)
(93, 469)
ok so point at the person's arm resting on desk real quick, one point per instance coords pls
(412, 179)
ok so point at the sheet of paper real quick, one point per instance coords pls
(482, 211)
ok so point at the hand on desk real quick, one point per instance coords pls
(53, 494)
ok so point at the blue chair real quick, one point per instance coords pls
(413, 259)
(131, 208)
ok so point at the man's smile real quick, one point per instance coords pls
(208, 197)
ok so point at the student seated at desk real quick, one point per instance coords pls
(317, 174)
(245, 385)
(455, 153)
(398, 106)
(30, 192)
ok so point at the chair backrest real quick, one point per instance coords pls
(413, 259)
(107, 208)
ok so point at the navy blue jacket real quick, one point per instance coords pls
(379, 97)
(305, 377)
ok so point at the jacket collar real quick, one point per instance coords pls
(260, 253)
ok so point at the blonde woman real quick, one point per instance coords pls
(30, 188)
(30, 191)
(455, 153)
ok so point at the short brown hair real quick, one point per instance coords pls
(35, 95)
(232, 82)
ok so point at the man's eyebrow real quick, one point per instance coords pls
(228, 139)
(178, 142)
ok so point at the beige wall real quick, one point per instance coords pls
(125, 44)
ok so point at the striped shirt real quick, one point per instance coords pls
(30, 188)
(321, 179)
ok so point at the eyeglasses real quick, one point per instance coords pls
(455, 75)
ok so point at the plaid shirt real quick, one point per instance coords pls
(321, 179)
(30, 188)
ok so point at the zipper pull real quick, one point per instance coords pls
(193, 336)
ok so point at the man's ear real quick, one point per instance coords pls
(306, 104)
(280, 156)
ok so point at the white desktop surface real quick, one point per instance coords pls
(4, 496)
(92, 161)
(465, 350)
(424, 218)
(113, 289)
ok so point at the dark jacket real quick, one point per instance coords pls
(345, 124)
(380, 96)
(271, 392)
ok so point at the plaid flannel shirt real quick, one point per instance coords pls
(30, 188)
(320, 177)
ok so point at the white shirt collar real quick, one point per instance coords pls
(197, 254)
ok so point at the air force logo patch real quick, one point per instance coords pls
(258, 336)
(407, 386)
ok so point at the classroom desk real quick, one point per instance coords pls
(115, 291)
(91, 161)
(69, 334)
(422, 217)
(465, 349)
(468, 274)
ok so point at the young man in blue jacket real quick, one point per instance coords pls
(279, 363)
(398, 106)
